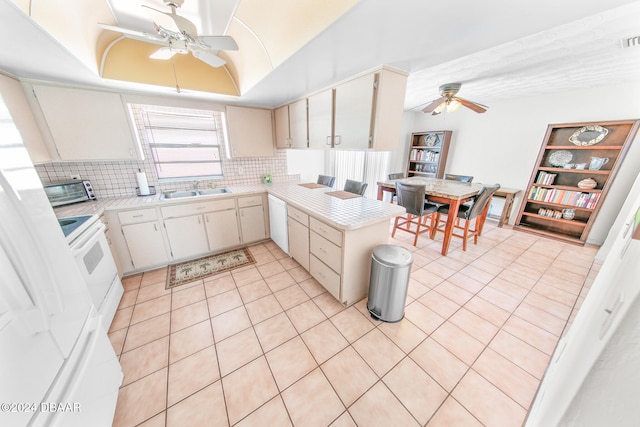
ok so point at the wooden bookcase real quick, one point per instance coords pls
(557, 202)
(428, 153)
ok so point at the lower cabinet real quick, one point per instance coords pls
(253, 224)
(145, 244)
(187, 236)
(222, 229)
(298, 236)
(326, 256)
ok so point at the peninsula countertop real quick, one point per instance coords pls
(343, 214)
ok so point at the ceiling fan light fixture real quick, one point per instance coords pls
(163, 53)
(440, 108)
(453, 105)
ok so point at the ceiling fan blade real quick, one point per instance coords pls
(134, 33)
(219, 42)
(433, 105)
(478, 108)
(183, 24)
(208, 58)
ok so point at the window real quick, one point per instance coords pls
(184, 143)
(367, 166)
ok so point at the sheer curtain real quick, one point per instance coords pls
(367, 166)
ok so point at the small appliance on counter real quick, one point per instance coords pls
(66, 193)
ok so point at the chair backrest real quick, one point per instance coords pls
(355, 187)
(480, 201)
(461, 178)
(326, 180)
(411, 197)
(396, 175)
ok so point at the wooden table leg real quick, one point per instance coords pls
(454, 205)
(380, 192)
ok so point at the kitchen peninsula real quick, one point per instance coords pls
(338, 234)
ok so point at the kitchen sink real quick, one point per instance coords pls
(193, 193)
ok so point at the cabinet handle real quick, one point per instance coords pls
(206, 218)
(337, 140)
(329, 140)
(199, 221)
(138, 216)
(155, 227)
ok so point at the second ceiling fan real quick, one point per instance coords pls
(449, 102)
(185, 40)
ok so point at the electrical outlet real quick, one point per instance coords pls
(75, 176)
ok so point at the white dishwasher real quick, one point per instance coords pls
(278, 223)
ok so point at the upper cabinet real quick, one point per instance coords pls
(291, 125)
(361, 113)
(250, 132)
(16, 101)
(84, 124)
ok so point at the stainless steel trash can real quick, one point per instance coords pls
(390, 270)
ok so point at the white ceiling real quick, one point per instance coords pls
(497, 50)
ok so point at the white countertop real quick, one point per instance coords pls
(343, 214)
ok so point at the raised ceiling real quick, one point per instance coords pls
(289, 48)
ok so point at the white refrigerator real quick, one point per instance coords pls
(57, 366)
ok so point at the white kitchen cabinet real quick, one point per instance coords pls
(18, 106)
(187, 236)
(145, 244)
(222, 229)
(364, 112)
(85, 124)
(320, 119)
(298, 236)
(291, 125)
(253, 223)
(353, 113)
(250, 132)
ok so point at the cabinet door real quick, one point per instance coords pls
(299, 242)
(222, 229)
(187, 236)
(145, 244)
(353, 109)
(298, 135)
(281, 120)
(87, 125)
(320, 112)
(250, 132)
(252, 224)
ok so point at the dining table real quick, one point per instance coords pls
(452, 193)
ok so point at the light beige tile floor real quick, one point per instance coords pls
(266, 345)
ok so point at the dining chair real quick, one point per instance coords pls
(326, 180)
(398, 175)
(461, 178)
(356, 187)
(411, 197)
(475, 212)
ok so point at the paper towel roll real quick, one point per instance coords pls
(143, 185)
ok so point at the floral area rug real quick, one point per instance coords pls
(188, 271)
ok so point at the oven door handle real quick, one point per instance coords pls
(79, 246)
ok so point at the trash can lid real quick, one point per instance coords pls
(392, 255)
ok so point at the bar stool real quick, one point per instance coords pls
(476, 211)
(411, 197)
(355, 187)
(326, 180)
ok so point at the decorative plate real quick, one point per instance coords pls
(560, 158)
(588, 135)
(432, 139)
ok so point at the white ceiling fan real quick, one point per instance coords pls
(449, 102)
(184, 41)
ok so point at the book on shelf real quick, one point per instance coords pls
(546, 178)
(424, 155)
(564, 197)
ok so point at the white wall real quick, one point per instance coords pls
(308, 163)
(501, 145)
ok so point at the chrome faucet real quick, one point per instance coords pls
(195, 184)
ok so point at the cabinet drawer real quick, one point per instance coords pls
(244, 202)
(328, 232)
(326, 251)
(328, 278)
(196, 208)
(138, 215)
(298, 215)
